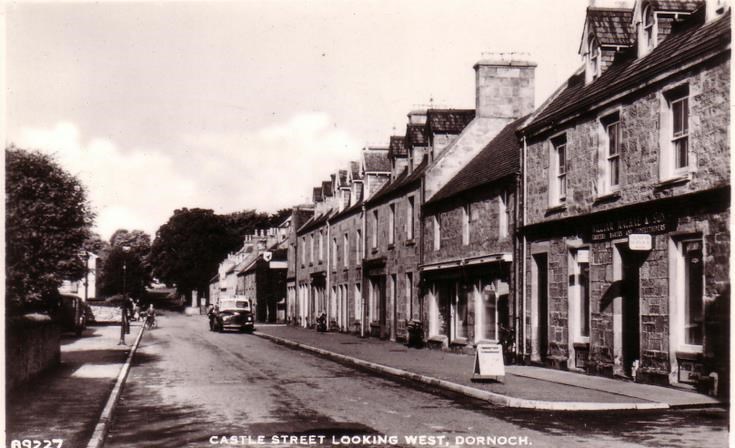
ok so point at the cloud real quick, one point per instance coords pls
(138, 188)
(126, 189)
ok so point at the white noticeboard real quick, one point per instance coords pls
(489, 362)
(639, 241)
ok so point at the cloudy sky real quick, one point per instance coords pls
(239, 105)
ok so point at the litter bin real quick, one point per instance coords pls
(415, 334)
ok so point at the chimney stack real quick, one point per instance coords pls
(504, 88)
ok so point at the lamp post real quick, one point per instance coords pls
(125, 249)
(124, 323)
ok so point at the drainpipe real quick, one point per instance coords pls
(524, 248)
(328, 288)
(363, 291)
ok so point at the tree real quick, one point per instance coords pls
(187, 249)
(126, 268)
(47, 220)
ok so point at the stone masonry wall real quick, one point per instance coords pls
(640, 122)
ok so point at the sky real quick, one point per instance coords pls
(229, 106)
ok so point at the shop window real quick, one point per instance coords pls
(460, 311)
(358, 302)
(579, 292)
(691, 255)
(489, 314)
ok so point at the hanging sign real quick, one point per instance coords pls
(640, 241)
(489, 362)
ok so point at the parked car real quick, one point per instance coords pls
(234, 314)
(72, 313)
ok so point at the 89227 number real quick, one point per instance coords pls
(30, 443)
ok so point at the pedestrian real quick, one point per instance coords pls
(124, 323)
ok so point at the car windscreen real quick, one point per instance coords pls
(235, 305)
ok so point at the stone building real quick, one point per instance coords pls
(299, 216)
(263, 281)
(627, 189)
(468, 246)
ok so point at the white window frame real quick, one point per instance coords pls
(321, 245)
(410, 218)
(374, 236)
(606, 157)
(678, 288)
(303, 250)
(575, 294)
(557, 178)
(391, 223)
(668, 168)
(311, 248)
(335, 253)
(466, 210)
(594, 58)
(503, 219)
(346, 250)
(436, 219)
(649, 35)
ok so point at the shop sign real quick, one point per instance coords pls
(640, 241)
(489, 362)
(650, 223)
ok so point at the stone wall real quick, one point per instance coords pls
(640, 120)
(350, 275)
(31, 346)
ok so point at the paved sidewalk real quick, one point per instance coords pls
(66, 402)
(523, 386)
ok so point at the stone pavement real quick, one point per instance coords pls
(532, 385)
(66, 402)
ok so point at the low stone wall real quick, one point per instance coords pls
(105, 313)
(31, 346)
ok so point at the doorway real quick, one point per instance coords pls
(541, 299)
(630, 308)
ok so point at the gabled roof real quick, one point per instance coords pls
(396, 186)
(611, 26)
(376, 160)
(448, 121)
(415, 135)
(397, 147)
(499, 159)
(628, 73)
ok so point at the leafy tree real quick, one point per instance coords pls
(125, 268)
(187, 249)
(47, 220)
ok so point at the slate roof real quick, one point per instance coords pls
(313, 223)
(404, 179)
(448, 121)
(317, 194)
(376, 159)
(676, 5)
(629, 72)
(346, 212)
(397, 147)
(498, 159)
(611, 26)
(416, 135)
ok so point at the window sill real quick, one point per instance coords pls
(391, 246)
(582, 344)
(556, 209)
(672, 182)
(607, 197)
(410, 242)
(459, 342)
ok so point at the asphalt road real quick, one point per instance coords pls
(191, 387)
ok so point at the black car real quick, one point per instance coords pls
(71, 313)
(233, 314)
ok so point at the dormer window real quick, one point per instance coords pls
(649, 28)
(593, 58)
